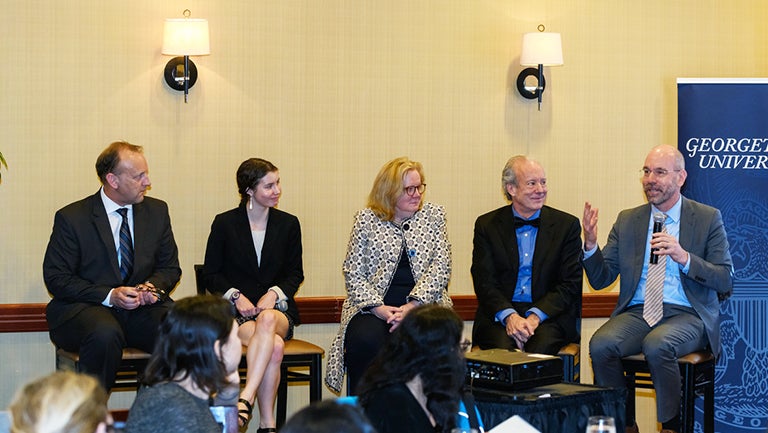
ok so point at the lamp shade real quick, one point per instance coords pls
(542, 48)
(186, 37)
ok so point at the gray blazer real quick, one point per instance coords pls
(702, 234)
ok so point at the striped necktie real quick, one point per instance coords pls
(653, 307)
(126, 246)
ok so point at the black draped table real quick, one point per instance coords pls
(558, 408)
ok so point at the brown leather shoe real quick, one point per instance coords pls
(632, 429)
(666, 430)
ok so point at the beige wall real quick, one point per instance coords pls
(330, 90)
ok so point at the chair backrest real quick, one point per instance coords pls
(199, 280)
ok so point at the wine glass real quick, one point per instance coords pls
(601, 424)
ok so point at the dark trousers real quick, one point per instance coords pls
(680, 332)
(549, 338)
(99, 335)
(365, 335)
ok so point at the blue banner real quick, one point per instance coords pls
(723, 133)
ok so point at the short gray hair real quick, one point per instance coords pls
(509, 174)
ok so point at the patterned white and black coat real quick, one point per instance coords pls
(372, 257)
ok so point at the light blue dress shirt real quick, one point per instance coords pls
(526, 244)
(673, 287)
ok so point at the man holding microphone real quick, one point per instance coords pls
(673, 257)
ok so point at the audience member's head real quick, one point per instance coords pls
(62, 402)
(196, 341)
(328, 416)
(427, 344)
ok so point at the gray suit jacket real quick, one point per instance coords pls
(702, 234)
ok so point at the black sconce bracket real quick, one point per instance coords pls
(175, 74)
(541, 83)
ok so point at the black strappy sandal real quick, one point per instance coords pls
(244, 415)
(266, 430)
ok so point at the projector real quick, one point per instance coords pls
(505, 370)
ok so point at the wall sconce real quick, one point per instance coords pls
(539, 49)
(184, 37)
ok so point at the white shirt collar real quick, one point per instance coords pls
(110, 206)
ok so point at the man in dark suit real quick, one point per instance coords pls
(110, 264)
(525, 268)
(695, 268)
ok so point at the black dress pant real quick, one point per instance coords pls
(549, 338)
(366, 334)
(99, 334)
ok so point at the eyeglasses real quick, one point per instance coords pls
(160, 294)
(411, 190)
(658, 172)
(465, 345)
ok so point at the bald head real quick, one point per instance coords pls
(663, 176)
(668, 151)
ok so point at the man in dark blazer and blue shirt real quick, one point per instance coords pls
(106, 298)
(698, 271)
(525, 268)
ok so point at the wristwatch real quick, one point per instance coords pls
(235, 296)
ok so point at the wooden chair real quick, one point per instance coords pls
(302, 363)
(697, 370)
(128, 374)
(571, 356)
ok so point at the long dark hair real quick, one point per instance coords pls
(185, 343)
(427, 344)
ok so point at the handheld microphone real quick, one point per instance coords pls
(658, 226)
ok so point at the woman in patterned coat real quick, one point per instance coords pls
(398, 257)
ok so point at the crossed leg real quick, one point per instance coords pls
(264, 340)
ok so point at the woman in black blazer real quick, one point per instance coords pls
(253, 258)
